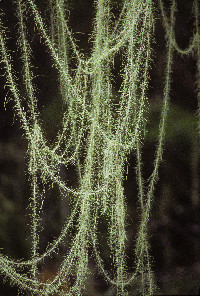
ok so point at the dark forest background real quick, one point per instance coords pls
(174, 229)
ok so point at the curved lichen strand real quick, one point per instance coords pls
(165, 108)
(22, 281)
(101, 91)
(116, 216)
(23, 117)
(194, 39)
(33, 145)
(61, 34)
(52, 248)
(35, 286)
(72, 94)
(75, 118)
(75, 108)
(139, 127)
(51, 8)
(85, 210)
(120, 232)
(115, 42)
(26, 51)
(58, 62)
(48, 164)
(11, 82)
(131, 119)
(69, 263)
(27, 76)
(66, 269)
(65, 32)
(34, 206)
(105, 273)
(142, 241)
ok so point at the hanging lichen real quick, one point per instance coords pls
(96, 137)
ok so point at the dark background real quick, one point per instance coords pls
(174, 229)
